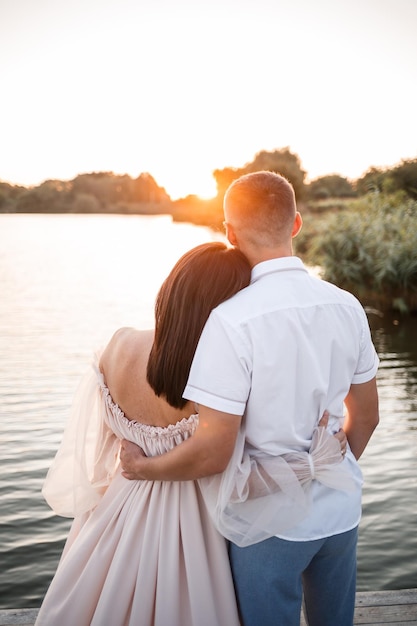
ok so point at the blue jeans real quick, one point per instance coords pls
(270, 578)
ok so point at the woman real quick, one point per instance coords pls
(142, 553)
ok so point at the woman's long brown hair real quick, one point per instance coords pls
(201, 279)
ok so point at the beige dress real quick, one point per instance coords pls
(139, 553)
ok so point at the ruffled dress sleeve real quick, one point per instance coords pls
(88, 455)
(258, 497)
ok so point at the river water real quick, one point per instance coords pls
(67, 282)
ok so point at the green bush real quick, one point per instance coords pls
(331, 186)
(371, 250)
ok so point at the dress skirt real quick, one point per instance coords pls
(139, 553)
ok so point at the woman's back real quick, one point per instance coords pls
(123, 365)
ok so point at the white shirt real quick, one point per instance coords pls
(280, 352)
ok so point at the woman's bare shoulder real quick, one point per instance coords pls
(125, 343)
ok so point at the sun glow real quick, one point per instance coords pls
(179, 93)
(200, 184)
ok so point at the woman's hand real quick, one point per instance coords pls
(340, 436)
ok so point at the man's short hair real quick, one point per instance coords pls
(263, 205)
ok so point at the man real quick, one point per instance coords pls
(279, 353)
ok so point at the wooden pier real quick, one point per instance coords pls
(373, 608)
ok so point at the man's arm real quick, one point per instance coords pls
(206, 453)
(362, 415)
(215, 442)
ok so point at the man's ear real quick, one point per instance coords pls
(298, 222)
(231, 236)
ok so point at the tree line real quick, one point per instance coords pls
(362, 233)
(106, 192)
(98, 192)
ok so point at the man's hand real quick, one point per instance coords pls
(206, 453)
(132, 460)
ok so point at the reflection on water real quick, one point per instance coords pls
(388, 541)
(67, 282)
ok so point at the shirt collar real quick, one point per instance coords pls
(281, 264)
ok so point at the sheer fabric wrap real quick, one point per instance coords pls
(255, 498)
(258, 497)
(87, 458)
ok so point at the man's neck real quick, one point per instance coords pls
(267, 254)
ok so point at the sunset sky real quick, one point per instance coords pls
(178, 88)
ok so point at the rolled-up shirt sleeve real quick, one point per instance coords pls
(220, 374)
(368, 361)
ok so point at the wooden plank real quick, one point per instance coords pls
(386, 607)
(377, 608)
(383, 614)
(402, 596)
(18, 617)
(373, 608)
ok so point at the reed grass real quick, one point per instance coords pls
(370, 249)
